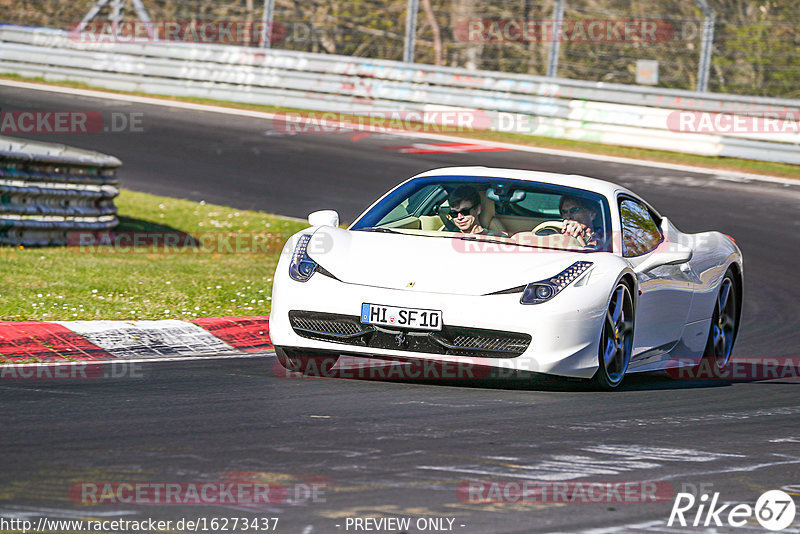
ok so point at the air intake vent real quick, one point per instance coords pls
(452, 340)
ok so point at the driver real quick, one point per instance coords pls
(465, 208)
(581, 220)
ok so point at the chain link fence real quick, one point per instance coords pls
(756, 43)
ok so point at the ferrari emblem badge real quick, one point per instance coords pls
(410, 284)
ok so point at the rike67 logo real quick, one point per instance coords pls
(774, 510)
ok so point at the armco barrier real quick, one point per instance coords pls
(48, 190)
(568, 109)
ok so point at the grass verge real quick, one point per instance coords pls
(220, 262)
(783, 170)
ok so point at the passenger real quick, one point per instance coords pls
(465, 208)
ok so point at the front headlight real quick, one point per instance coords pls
(302, 266)
(538, 292)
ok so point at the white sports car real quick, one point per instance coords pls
(531, 271)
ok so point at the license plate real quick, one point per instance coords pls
(401, 317)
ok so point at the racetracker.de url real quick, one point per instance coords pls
(199, 524)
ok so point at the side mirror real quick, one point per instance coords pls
(324, 218)
(677, 256)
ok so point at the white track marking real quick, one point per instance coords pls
(135, 339)
(660, 453)
(715, 173)
(37, 390)
(675, 420)
(440, 405)
(646, 526)
(739, 469)
(615, 459)
(660, 525)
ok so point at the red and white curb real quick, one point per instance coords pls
(59, 341)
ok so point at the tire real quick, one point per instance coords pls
(305, 363)
(616, 339)
(724, 326)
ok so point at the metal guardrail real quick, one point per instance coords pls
(49, 190)
(605, 113)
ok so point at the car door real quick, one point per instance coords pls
(665, 293)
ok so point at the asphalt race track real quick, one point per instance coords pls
(387, 448)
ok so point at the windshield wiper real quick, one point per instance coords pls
(484, 240)
(374, 229)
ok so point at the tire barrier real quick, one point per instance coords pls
(49, 190)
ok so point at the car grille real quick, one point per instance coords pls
(451, 340)
(332, 327)
(471, 342)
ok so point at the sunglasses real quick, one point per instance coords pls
(465, 212)
(572, 211)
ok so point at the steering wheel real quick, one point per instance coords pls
(554, 227)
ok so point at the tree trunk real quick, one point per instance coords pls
(469, 54)
(437, 33)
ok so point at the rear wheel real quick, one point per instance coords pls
(722, 334)
(616, 340)
(306, 363)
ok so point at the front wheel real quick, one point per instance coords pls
(305, 363)
(616, 339)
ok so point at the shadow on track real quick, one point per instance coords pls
(434, 374)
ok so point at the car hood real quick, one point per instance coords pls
(433, 264)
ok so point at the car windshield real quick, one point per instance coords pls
(515, 212)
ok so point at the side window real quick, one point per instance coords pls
(415, 201)
(640, 233)
(409, 206)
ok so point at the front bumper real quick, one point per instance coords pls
(564, 332)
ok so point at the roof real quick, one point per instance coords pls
(568, 180)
